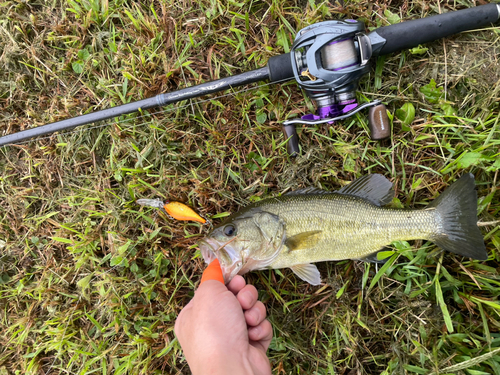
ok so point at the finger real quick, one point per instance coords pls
(260, 336)
(236, 284)
(255, 315)
(247, 297)
(183, 315)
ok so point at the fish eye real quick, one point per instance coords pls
(230, 230)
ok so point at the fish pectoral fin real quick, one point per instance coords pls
(304, 240)
(372, 187)
(307, 272)
(380, 256)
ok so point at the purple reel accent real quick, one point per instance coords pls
(349, 105)
(332, 110)
(310, 117)
(343, 67)
(338, 41)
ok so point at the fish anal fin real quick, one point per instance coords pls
(303, 240)
(307, 272)
(380, 256)
(373, 187)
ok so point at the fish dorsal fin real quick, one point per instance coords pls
(307, 272)
(373, 187)
(304, 240)
(308, 190)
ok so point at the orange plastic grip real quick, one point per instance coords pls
(212, 272)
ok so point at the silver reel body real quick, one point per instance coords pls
(328, 60)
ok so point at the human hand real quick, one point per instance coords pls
(224, 330)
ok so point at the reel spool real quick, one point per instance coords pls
(328, 60)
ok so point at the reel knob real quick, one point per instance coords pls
(290, 133)
(378, 122)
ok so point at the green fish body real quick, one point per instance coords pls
(311, 225)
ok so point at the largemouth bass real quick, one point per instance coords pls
(311, 225)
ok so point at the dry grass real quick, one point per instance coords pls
(92, 283)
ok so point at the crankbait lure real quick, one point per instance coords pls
(177, 210)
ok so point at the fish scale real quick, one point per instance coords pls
(311, 225)
(342, 218)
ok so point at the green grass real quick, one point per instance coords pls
(92, 283)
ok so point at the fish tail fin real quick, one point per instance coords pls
(457, 207)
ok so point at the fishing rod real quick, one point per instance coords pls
(327, 60)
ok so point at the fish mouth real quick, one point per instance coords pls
(229, 258)
(208, 248)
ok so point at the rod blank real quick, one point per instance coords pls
(156, 101)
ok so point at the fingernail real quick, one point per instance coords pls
(255, 331)
(248, 296)
(254, 315)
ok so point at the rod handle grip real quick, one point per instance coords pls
(409, 34)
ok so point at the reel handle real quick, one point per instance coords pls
(378, 123)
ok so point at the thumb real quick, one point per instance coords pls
(213, 272)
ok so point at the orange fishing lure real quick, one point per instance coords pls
(177, 210)
(180, 211)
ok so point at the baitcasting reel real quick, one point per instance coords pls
(328, 60)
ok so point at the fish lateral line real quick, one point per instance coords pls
(290, 231)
